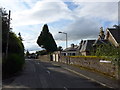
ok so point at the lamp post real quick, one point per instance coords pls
(66, 40)
(66, 37)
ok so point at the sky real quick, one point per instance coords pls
(80, 19)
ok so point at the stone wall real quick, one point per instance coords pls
(44, 58)
(92, 63)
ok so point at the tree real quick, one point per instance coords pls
(59, 48)
(14, 47)
(46, 40)
(27, 53)
(20, 36)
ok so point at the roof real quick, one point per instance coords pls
(87, 45)
(115, 33)
(99, 42)
(75, 48)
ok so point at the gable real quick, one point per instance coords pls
(115, 34)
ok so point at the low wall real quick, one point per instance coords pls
(44, 58)
(92, 63)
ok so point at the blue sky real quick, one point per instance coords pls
(81, 20)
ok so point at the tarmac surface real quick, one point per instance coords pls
(46, 74)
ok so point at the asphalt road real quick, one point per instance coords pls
(39, 74)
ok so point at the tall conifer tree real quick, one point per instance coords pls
(46, 40)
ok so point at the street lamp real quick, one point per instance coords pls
(66, 37)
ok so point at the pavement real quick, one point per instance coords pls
(94, 76)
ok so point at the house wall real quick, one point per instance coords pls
(57, 57)
(110, 38)
(54, 57)
(94, 64)
(83, 53)
(70, 53)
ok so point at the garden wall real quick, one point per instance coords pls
(44, 57)
(93, 63)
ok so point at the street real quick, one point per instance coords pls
(39, 74)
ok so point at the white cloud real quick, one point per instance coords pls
(95, 0)
(81, 29)
(89, 18)
(14, 5)
(102, 10)
(43, 12)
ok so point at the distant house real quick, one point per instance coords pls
(113, 36)
(101, 39)
(71, 51)
(86, 47)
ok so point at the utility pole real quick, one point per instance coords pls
(8, 34)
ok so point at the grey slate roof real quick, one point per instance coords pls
(115, 33)
(75, 48)
(87, 45)
(99, 42)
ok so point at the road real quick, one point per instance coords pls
(39, 74)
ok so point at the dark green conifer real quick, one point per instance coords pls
(46, 40)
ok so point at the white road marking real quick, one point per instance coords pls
(48, 72)
(65, 88)
(87, 77)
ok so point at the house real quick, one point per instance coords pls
(101, 39)
(71, 51)
(113, 36)
(86, 47)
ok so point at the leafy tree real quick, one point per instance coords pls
(20, 36)
(42, 52)
(15, 57)
(59, 48)
(27, 53)
(5, 29)
(46, 40)
(107, 50)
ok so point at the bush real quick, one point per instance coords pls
(107, 50)
(13, 64)
(15, 58)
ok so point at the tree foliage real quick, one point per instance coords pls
(27, 53)
(107, 50)
(15, 57)
(59, 48)
(46, 40)
(42, 52)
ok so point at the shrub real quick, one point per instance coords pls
(13, 64)
(15, 58)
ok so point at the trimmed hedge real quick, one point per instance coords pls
(13, 64)
(15, 59)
